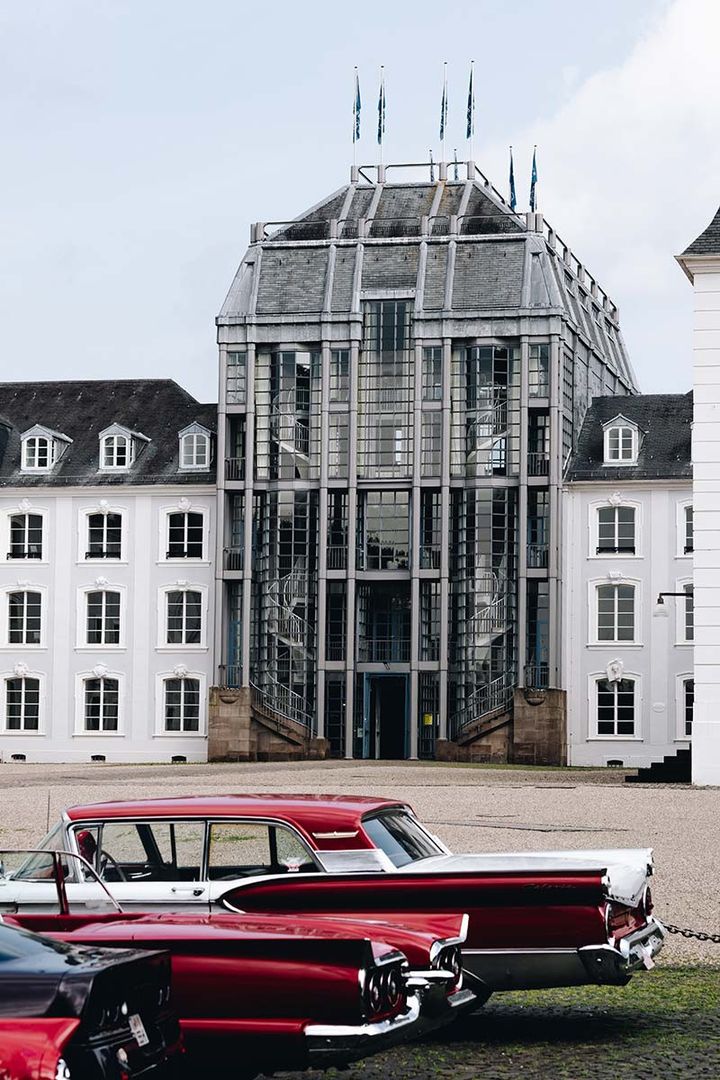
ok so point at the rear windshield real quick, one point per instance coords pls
(398, 834)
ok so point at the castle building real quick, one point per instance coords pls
(403, 372)
(107, 537)
(628, 542)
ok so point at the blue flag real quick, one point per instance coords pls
(357, 104)
(470, 107)
(444, 107)
(381, 108)
(533, 179)
(513, 200)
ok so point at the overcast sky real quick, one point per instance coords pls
(141, 137)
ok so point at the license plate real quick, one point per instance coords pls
(138, 1029)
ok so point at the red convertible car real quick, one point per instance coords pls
(271, 992)
(536, 920)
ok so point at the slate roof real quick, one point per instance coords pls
(708, 242)
(665, 424)
(316, 266)
(158, 408)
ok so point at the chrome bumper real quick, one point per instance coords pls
(329, 1044)
(535, 969)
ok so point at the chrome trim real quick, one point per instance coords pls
(443, 943)
(336, 835)
(367, 1031)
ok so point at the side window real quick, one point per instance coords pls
(244, 848)
(144, 851)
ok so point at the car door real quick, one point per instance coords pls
(147, 864)
(242, 850)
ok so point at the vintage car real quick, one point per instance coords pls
(536, 919)
(33, 1049)
(272, 992)
(115, 1009)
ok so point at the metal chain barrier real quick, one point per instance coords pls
(700, 935)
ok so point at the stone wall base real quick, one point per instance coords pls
(540, 730)
(535, 734)
(236, 733)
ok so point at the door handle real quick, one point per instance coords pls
(187, 892)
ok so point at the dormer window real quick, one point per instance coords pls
(621, 442)
(119, 447)
(195, 448)
(42, 448)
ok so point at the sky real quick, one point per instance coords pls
(141, 137)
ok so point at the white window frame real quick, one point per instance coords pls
(80, 680)
(681, 613)
(682, 507)
(162, 617)
(592, 699)
(594, 529)
(22, 732)
(84, 516)
(115, 431)
(5, 535)
(194, 432)
(620, 424)
(680, 681)
(109, 447)
(182, 560)
(593, 585)
(160, 680)
(57, 444)
(82, 644)
(5, 616)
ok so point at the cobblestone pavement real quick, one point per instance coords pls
(472, 808)
(662, 1025)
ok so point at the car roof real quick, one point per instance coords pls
(307, 811)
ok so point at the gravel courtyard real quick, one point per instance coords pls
(665, 1024)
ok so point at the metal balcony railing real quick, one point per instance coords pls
(336, 557)
(537, 556)
(537, 676)
(538, 462)
(231, 675)
(394, 650)
(234, 558)
(25, 553)
(234, 468)
(430, 556)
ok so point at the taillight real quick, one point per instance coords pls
(648, 904)
(450, 959)
(384, 989)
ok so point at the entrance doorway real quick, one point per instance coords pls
(386, 708)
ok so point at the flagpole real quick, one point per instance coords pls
(471, 108)
(381, 113)
(443, 119)
(355, 118)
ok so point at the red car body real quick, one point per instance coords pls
(32, 1049)
(272, 992)
(537, 919)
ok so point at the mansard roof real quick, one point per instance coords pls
(665, 425)
(455, 247)
(158, 408)
(708, 242)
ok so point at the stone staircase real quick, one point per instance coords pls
(673, 769)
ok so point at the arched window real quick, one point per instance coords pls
(24, 626)
(621, 442)
(616, 530)
(615, 708)
(195, 450)
(26, 536)
(101, 703)
(38, 452)
(102, 621)
(184, 617)
(104, 536)
(22, 703)
(689, 530)
(185, 534)
(116, 452)
(615, 612)
(181, 704)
